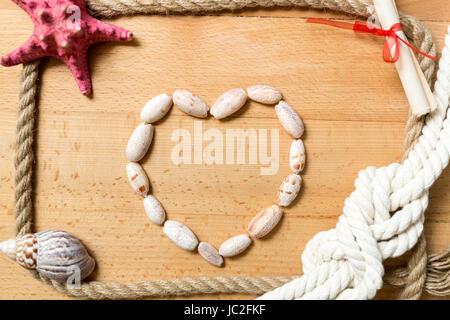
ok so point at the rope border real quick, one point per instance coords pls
(24, 162)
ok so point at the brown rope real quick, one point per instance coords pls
(24, 158)
(112, 8)
(437, 279)
(173, 287)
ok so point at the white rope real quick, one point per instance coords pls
(347, 262)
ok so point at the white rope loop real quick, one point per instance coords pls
(347, 262)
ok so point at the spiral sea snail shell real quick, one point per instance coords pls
(55, 254)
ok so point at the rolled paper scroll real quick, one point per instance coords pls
(414, 83)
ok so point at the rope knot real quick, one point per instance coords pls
(370, 230)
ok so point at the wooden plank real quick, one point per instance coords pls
(307, 74)
(352, 103)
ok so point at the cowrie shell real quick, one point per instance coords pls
(289, 119)
(154, 210)
(190, 104)
(289, 189)
(265, 221)
(181, 235)
(138, 178)
(264, 94)
(139, 142)
(228, 103)
(156, 108)
(235, 245)
(297, 156)
(210, 254)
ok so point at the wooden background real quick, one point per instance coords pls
(352, 103)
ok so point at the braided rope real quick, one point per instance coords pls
(173, 287)
(416, 269)
(340, 272)
(111, 8)
(24, 158)
(437, 280)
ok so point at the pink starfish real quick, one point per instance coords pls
(64, 30)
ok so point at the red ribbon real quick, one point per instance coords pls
(362, 27)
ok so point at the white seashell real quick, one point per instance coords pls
(264, 94)
(154, 210)
(190, 104)
(61, 255)
(297, 156)
(289, 119)
(54, 254)
(235, 245)
(265, 221)
(27, 251)
(139, 142)
(228, 103)
(138, 178)
(180, 234)
(289, 189)
(9, 248)
(156, 109)
(210, 254)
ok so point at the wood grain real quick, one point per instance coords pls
(352, 103)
